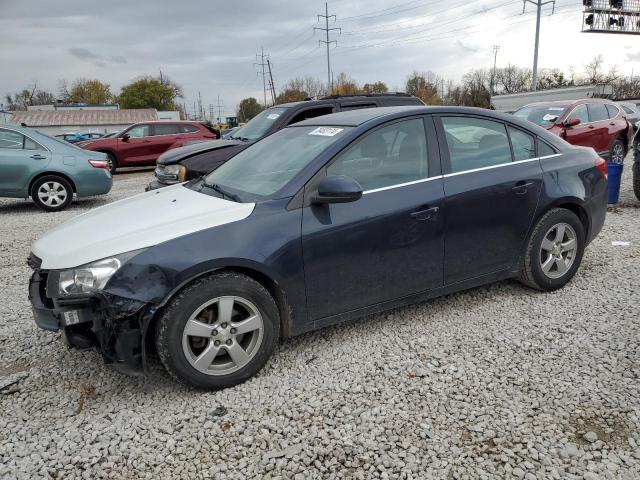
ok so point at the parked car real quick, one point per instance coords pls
(142, 143)
(336, 217)
(596, 123)
(79, 137)
(48, 170)
(264, 124)
(636, 161)
(631, 111)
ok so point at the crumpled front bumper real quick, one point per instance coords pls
(115, 326)
(155, 185)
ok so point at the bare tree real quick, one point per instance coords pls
(513, 79)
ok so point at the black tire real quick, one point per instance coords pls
(54, 203)
(113, 162)
(636, 179)
(618, 151)
(171, 326)
(532, 273)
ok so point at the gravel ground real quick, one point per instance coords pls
(495, 382)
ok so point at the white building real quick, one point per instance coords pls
(57, 121)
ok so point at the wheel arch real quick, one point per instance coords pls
(108, 151)
(52, 172)
(574, 205)
(264, 279)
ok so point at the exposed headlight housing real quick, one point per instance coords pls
(91, 277)
(171, 173)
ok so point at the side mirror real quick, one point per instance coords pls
(572, 122)
(126, 137)
(337, 189)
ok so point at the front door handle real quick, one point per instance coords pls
(425, 214)
(38, 157)
(522, 187)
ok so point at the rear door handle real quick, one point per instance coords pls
(425, 214)
(522, 187)
(38, 157)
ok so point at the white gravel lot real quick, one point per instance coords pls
(495, 382)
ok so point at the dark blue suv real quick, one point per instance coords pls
(335, 217)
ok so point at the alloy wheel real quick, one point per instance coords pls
(52, 193)
(222, 335)
(558, 250)
(617, 154)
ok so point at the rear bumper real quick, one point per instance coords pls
(113, 326)
(97, 181)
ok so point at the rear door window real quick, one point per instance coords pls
(612, 110)
(186, 128)
(475, 143)
(523, 144)
(165, 129)
(597, 112)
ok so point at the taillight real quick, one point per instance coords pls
(601, 165)
(99, 163)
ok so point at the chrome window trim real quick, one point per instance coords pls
(25, 135)
(398, 185)
(447, 175)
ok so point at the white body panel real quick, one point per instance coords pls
(136, 222)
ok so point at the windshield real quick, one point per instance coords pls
(541, 114)
(264, 168)
(258, 125)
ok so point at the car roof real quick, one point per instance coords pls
(354, 118)
(348, 98)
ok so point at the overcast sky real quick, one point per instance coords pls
(210, 46)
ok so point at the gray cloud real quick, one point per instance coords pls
(210, 47)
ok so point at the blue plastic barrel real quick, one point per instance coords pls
(614, 176)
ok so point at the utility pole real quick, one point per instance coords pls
(539, 4)
(200, 111)
(327, 42)
(220, 106)
(262, 64)
(273, 87)
(495, 62)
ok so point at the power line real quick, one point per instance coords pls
(327, 42)
(539, 4)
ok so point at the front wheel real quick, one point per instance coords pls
(112, 163)
(51, 193)
(218, 332)
(554, 250)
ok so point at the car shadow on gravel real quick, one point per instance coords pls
(20, 206)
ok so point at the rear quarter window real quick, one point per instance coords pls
(612, 110)
(544, 149)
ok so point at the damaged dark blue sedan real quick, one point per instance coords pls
(332, 218)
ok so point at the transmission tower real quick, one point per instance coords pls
(261, 65)
(328, 42)
(220, 106)
(495, 49)
(538, 4)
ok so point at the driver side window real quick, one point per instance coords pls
(389, 156)
(139, 131)
(580, 111)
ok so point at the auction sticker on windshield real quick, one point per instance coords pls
(273, 116)
(326, 131)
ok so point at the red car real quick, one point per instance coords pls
(596, 123)
(142, 143)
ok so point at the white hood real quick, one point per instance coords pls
(136, 222)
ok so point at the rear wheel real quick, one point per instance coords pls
(554, 251)
(618, 151)
(51, 193)
(218, 332)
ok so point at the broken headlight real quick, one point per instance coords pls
(91, 277)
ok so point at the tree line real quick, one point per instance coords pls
(145, 92)
(474, 89)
